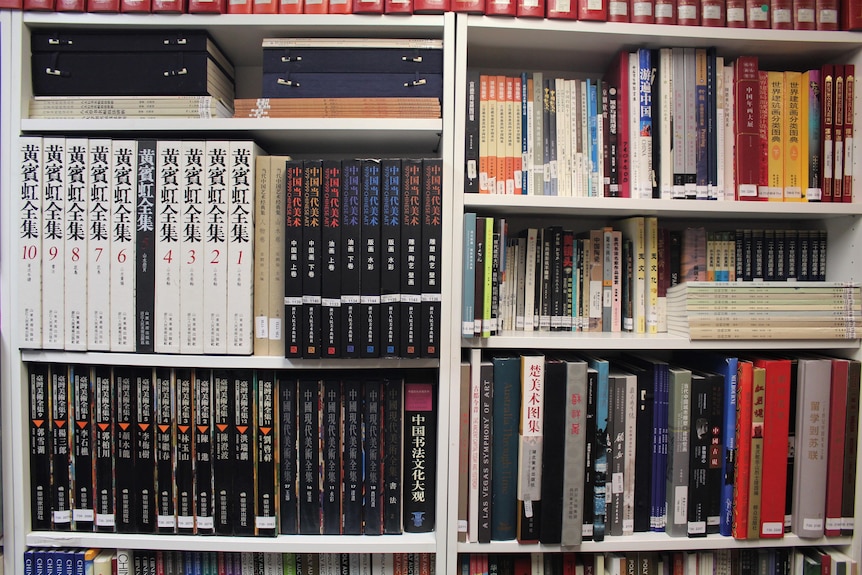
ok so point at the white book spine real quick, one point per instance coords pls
(124, 167)
(601, 109)
(276, 257)
(30, 241)
(191, 248)
(585, 137)
(240, 284)
(262, 230)
(99, 247)
(720, 127)
(475, 453)
(167, 262)
(678, 189)
(630, 444)
(53, 242)
(634, 152)
(729, 134)
(665, 128)
(530, 440)
(77, 188)
(215, 246)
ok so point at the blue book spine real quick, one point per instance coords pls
(601, 453)
(701, 121)
(712, 125)
(504, 447)
(729, 443)
(468, 283)
(661, 421)
(526, 171)
(644, 152)
(80, 562)
(595, 186)
(29, 560)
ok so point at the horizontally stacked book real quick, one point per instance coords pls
(764, 310)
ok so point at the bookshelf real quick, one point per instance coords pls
(580, 49)
(240, 38)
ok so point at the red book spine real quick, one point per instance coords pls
(835, 450)
(643, 11)
(826, 14)
(757, 13)
(838, 136)
(530, 8)
(712, 13)
(849, 95)
(136, 6)
(315, 7)
(264, 7)
(851, 15)
(665, 12)
(688, 12)
(776, 418)
(763, 178)
(618, 11)
(240, 6)
(69, 5)
(11, 4)
(103, 5)
(827, 93)
(395, 6)
(803, 15)
(468, 6)
(618, 78)
(735, 14)
(745, 381)
(340, 7)
(593, 10)
(430, 6)
(206, 6)
(747, 127)
(169, 6)
(782, 14)
(562, 9)
(38, 5)
(293, 7)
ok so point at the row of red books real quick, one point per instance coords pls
(776, 14)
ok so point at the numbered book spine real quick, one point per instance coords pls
(167, 236)
(124, 169)
(351, 260)
(393, 454)
(266, 392)
(30, 241)
(331, 455)
(373, 508)
(203, 452)
(53, 234)
(293, 325)
(311, 257)
(331, 246)
(77, 191)
(351, 497)
(243, 449)
(288, 456)
(82, 440)
(166, 439)
(99, 245)
(124, 441)
(420, 461)
(224, 465)
(191, 245)
(183, 381)
(240, 248)
(309, 456)
(432, 238)
(215, 246)
(369, 282)
(411, 263)
(40, 447)
(61, 505)
(104, 453)
(390, 264)
(144, 450)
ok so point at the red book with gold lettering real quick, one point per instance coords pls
(491, 7)
(827, 111)
(747, 127)
(851, 15)
(562, 9)
(849, 95)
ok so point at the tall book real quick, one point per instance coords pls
(204, 453)
(411, 268)
(747, 126)
(370, 259)
(849, 115)
(166, 438)
(215, 246)
(30, 240)
(103, 452)
(330, 433)
(124, 169)
(851, 439)
(277, 256)
(530, 439)
(77, 180)
(53, 239)
(504, 447)
(98, 245)
(553, 444)
(311, 258)
(351, 496)
(390, 263)
(330, 269)
(827, 120)
(40, 446)
(125, 407)
(243, 433)
(794, 131)
(704, 454)
(262, 230)
(224, 406)
(600, 446)
(308, 446)
(834, 442)
(373, 420)
(184, 475)
(61, 487)
(293, 208)
(432, 251)
(351, 257)
(144, 452)
(420, 461)
(191, 245)
(288, 459)
(810, 118)
(81, 386)
(266, 407)
(574, 465)
(393, 455)
(679, 425)
(167, 208)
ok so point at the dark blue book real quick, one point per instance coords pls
(371, 259)
(351, 497)
(411, 251)
(312, 190)
(504, 448)
(390, 262)
(331, 434)
(712, 124)
(351, 257)
(432, 254)
(486, 386)
(601, 447)
(293, 208)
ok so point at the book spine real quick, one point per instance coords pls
(370, 258)
(145, 246)
(240, 248)
(838, 136)
(103, 459)
(124, 441)
(190, 250)
(849, 112)
(471, 133)
(144, 451)
(166, 315)
(263, 189)
(203, 452)
(432, 237)
(124, 159)
(530, 436)
(98, 245)
(50, 228)
(293, 328)
(288, 520)
(184, 474)
(481, 426)
(351, 496)
(277, 256)
(411, 244)
(393, 454)
(166, 439)
(827, 111)
(851, 438)
(242, 514)
(575, 451)
(331, 453)
(420, 461)
(81, 386)
(61, 492)
(834, 452)
(550, 525)
(350, 257)
(76, 164)
(774, 448)
(331, 246)
(679, 423)
(374, 424)
(391, 247)
(747, 112)
(309, 478)
(699, 451)
(224, 404)
(216, 246)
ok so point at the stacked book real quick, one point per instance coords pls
(764, 310)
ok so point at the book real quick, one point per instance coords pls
(411, 243)
(420, 461)
(76, 165)
(167, 207)
(679, 425)
(143, 417)
(331, 425)
(390, 262)
(393, 455)
(747, 125)
(52, 222)
(373, 420)
(277, 256)
(849, 114)
(370, 258)
(553, 444)
(833, 442)
(288, 460)
(530, 435)
(190, 250)
(203, 452)
(331, 264)
(183, 427)
(432, 237)
(103, 449)
(308, 451)
(827, 119)
(165, 430)
(240, 247)
(59, 393)
(215, 246)
(98, 244)
(125, 411)
(122, 245)
(504, 447)
(81, 442)
(262, 229)
(574, 464)
(351, 496)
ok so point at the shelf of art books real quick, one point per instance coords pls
(544, 182)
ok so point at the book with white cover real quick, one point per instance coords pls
(124, 169)
(262, 231)
(30, 240)
(168, 225)
(77, 189)
(277, 214)
(99, 246)
(215, 246)
(53, 242)
(191, 245)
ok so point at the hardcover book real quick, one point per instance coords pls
(203, 452)
(184, 475)
(351, 257)
(144, 500)
(53, 231)
(432, 238)
(167, 206)
(190, 249)
(420, 461)
(390, 261)
(330, 269)
(411, 268)
(215, 246)
(81, 387)
(123, 245)
(370, 258)
(103, 452)
(393, 455)
(351, 495)
(165, 438)
(76, 164)
(294, 332)
(288, 458)
(61, 452)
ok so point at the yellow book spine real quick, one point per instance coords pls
(492, 134)
(483, 134)
(776, 137)
(794, 189)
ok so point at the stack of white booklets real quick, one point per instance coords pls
(764, 310)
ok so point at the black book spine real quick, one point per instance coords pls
(351, 499)
(371, 259)
(40, 447)
(145, 271)
(265, 520)
(311, 257)
(103, 423)
(145, 442)
(699, 449)
(373, 507)
(545, 235)
(486, 403)
(479, 284)
(568, 268)
(643, 457)
(203, 452)
(814, 258)
(628, 278)
(393, 459)
(590, 457)
(124, 442)
(420, 458)
(82, 435)
(166, 521)
(675, 257)
(293, 215)
(309, 457)
(604, 110)
(747, 255)
(432, 251)
(758, 264)
(223, 404)
(557, 291)
(769, 255)
(184, 473)
(331, 246)
(715, 476)
(792, 265)
(287, 507)
(390, 261)
(61, 506)
(351, 256)
(496, 259)
(821, 269)
(331, 432)
(471, 134)
(739, 249)
(553, 428)
(780, 255)
(243, 487)
(411, 246)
